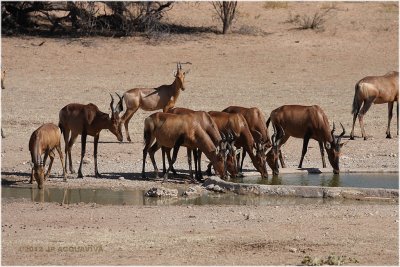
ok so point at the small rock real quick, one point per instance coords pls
(121, 178)
(161, 192)
(293, 250)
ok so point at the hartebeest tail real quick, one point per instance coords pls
(308, 122)
(149, 99)
(43, 141)
(375, 90)
(84, 120)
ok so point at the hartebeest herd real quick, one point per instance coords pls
(220, 135)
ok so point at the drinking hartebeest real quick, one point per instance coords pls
(237, 124)
(377, 90)
(172, 131)
(87, 120)
(256, 121)
(149, 99)
(308, 122)
(208, 124)
(43, 141)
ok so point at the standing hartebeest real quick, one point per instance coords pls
(308, 122)
(43, 141)
(149, 99)
(377, 90)
(256, 121)
(172, 131)
(87, 120)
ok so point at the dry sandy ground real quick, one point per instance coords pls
(266, 63)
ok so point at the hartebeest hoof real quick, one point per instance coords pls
(240, 175)
(365, 138)
(80, 175)
(351, 137)
(98, 175)
(389, 136)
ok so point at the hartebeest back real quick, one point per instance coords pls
(256, 121)
(149, 99)
(308, 122)
(85, 120)
(43, 141)
(375, 90)
(169, 129)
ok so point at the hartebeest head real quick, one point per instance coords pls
(273, 153)
(333, 148)
(39, 173)
(226, 152)
(259, 152)
(116, 123)
(180, 76)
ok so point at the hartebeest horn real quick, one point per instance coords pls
(120, 106)
(112, 103)
(333, 130)
(341, 135)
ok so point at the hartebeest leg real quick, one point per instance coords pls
(96, 142)
(152, 151)
(390, 115)
(354, 122)
(397, 111)
(321, 149)
(177, 145)
(168, 152)
(283, 141)
(51, 154)
(83, 141)
(364, 109)
(189, 156)
(240, 174)
(68, 149)
(126, 118)
(62, 161)
(304, 151)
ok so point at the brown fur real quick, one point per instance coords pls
(375, 90)
(149, 99)
(84, 120)
(307, 122)
(43, 141)
(168, 129)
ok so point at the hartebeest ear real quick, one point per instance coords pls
(238, 151)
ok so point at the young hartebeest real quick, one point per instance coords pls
(237, 124)
(172, 130)
(149, 99)
(375, 90)
(308, 122)
(87, 120)
(256, 121)
(208, 124)
(43, 141)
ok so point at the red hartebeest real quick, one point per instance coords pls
(256, 121)
(208, 124)
(149, 99)
(308, 122)
(375, 90)
(43, 141)
(87, 120)
(237, 125)
(172, 131)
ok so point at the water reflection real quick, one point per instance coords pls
(365, 180)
